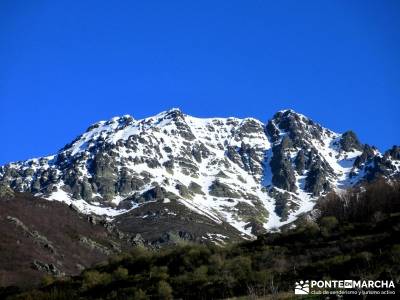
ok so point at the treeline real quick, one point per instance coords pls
(368, 203)
(343, 244)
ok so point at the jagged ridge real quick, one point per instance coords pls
(252, 175)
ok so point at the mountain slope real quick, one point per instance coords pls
(356, 236)
(39, 238)
(242, 172)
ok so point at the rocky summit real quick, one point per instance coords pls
(232, 177)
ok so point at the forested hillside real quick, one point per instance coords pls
(355, 236)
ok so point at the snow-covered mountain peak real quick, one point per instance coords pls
(297, 127)
(251, 175)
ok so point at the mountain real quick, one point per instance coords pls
(201, 179)
(355, 236)
(270, 266)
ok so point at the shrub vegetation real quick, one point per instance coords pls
(348, 240)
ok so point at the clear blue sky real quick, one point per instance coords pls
(67, 64)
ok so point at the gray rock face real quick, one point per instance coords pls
(272, 131)
(298, 128)
(47, 268)
(281, 167)
(251, 159)
(295, 154)
(183, 129)
(366, 155)
(138, 240)
(300, 162)
(155, 194)
(317, 180)
(6, 191)
(183, 191)
(104, 175)
(234, 156)
(255, 216)
(195, 188)
(393, 153)
(349, 141)
(379, 167)
(94, 245)
(39, 239)
(219, 189)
